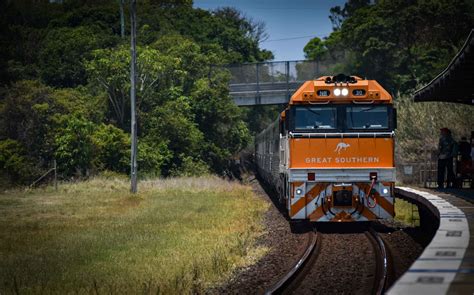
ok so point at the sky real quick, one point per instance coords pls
(300, 20)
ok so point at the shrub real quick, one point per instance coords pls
(74, 146)
(14, 162)
(112, 148)
(151, 157)
(190, 167)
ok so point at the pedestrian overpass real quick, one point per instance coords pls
(270, 83)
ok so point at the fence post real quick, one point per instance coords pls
(287, 70)
(258, 80)
(55, 175)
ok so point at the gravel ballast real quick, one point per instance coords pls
(344, 269)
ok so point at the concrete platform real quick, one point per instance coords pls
(446, 266)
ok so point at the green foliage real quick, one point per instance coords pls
(112, 148)
(63, 52)
(190, 167)
(419, 124)
(82, 147)
(74, 147)
(26, 115)
(315, 49)
(220, 118)
(110, 68)
(259, 117)
(151, 157)
(79, 112)
(400, 44)
(184, 138)
(61, 124)
(14, 161)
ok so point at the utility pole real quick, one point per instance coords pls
(133, 158)
(122, 18)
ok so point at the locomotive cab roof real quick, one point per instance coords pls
(340, 89)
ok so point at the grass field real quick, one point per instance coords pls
(406, 213)
(175, 236)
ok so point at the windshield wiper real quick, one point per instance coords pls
(369, 109)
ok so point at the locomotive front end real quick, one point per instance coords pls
(336, 151)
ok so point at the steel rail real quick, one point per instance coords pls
(382, 263)
(280, 286)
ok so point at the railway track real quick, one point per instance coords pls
(297, 279)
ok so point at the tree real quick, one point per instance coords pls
(174, 124)
(79, 112)
(315, 49)
(399, 43)
(34, 117)
(338, 14)
(111, 148)
(74, 148)
(109, 69)
(63, 52)
(15, 163)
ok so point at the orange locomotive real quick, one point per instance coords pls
(330, 155)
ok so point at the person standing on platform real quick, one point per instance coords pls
(446, 152)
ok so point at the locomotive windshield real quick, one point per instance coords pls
(342, 118)
(367, 117)
(315, 118)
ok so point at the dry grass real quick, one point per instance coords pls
(177, 236)
(406, 213)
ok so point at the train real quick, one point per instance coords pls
(329, 155)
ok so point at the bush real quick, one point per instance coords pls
(74, 146)
(151, 157)
(112, 148)
(14, 162)
(419, 124)
(190, 167)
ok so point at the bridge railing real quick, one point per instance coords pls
(270, 82)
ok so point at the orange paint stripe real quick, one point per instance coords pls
(381, 201)
(368, 214)
(296, 184)
(302, 202)
(386, 205)
(296, 207)
(317, 214)
(315, 191)
(363, 187)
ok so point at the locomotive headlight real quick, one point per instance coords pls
(337, 92)
(299, 191)
(385, 191)
(345, 91)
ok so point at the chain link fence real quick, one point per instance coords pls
(271, 82)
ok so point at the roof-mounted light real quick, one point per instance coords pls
(344, 91)
(341, 78)
(337, 92)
